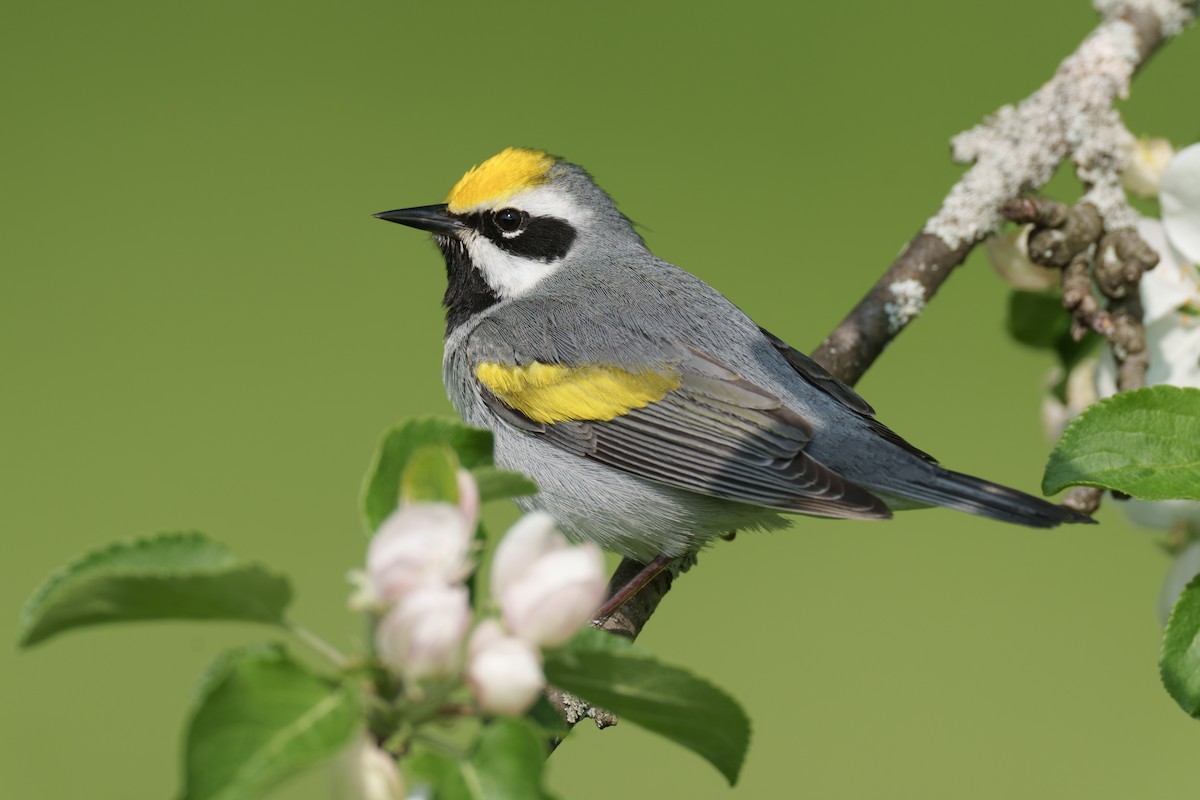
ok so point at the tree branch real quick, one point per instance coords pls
(1013, 152)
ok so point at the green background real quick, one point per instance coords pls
(203, 328)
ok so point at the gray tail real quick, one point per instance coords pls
(977, 496)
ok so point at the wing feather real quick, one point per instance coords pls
(707, 430)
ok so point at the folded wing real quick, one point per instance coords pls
(692, 423)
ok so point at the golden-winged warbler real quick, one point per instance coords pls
(652, 413)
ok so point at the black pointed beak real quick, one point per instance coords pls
(435, 219)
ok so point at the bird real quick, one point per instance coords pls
(653, 414)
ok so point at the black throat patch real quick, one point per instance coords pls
(467, 293)
(543, 239)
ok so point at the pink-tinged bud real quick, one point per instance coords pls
(468, 497)
(422, 635)
(556, 596)
(533, 536)
(365, 772)
(417, 545)
(504, 672)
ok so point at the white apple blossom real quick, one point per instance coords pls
(1179, 201)
(503, 671)
(1148, 160)
(418, 545)
(1171, 305)
(422, 635)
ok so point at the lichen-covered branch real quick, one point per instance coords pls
(1013, 153)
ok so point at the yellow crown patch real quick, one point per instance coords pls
(500, 177)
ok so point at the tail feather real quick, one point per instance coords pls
(977, 496)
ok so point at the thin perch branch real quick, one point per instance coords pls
(1014, 152)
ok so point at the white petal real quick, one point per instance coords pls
(1174, 347)
(1179, 198)
(1143, 174)
(1172, 284)
(533, 536)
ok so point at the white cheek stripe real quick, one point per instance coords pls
(507, 274)
(510, 275)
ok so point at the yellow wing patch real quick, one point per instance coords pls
(500, 177)
(554, 393)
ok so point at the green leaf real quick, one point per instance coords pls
(260, 717)
(1145, 443)
(168, 576)
(431, 476)
(508, 761)
(589, 638)
(548, 719)
(381, 489)
(1180, 662)
(496, 484)
(436, 776)
(506, 764)
(1037, 319)
(666, 700)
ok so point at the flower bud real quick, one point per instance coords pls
(1147, 162)
(422, 635)
(1009, 254)
(555, 596)
(364, 772)
(531, 537)
(419, 544)
(504, 672)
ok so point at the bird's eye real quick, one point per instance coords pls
(509, 220)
